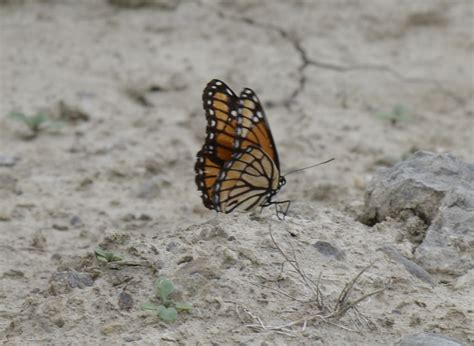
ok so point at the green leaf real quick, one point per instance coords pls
(18, 116)
(164, 288)
(167, 314)
(183, 307)
(149, 306)
(106, 256)
(39, 118)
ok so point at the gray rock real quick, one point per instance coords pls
(428, 339)
(448, 246)
(439, 189)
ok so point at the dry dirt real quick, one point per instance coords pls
(365, 82)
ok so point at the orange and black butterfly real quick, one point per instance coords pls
(238, 166)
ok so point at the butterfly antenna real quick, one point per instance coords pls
(302, 169)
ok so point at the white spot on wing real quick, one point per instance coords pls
(218, 83)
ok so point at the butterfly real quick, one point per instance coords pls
(238, 166)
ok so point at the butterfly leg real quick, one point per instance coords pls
(279, 211)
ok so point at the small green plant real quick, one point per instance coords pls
(36, 122)
(168, 309)
(106, 256)
(398, 114)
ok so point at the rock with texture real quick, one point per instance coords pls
(439, 189)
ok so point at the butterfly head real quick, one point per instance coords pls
(282, 182)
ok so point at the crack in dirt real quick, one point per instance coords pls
(308, 61)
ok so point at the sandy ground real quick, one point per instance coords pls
(365, 82)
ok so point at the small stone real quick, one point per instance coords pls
(63, 282)
(171, 247)
(125, 301)
(128, 217)
(145, 217)
(14, 273)
(59, 322)
(428, 339)
(76, 221)
(60, 227)
(112, 328)
(327, 249)
(185, 259)
(39, 240)
(131, 338)
(230, 257)
(8, 161)
(72, 113)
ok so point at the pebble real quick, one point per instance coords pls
(327, 249)
(76, 221)
(8, 161)
(61, 282)
(185, 259)
(60, 227)
(125, 301)
(428, 339)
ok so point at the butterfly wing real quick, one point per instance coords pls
(220, 104)
(246, 181)
(252, 126)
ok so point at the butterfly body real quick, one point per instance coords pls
(238, 166)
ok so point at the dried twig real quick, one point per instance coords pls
(325, 313)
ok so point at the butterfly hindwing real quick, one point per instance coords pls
(246, 181)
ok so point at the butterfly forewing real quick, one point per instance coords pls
(252, 126)
(220, 105)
